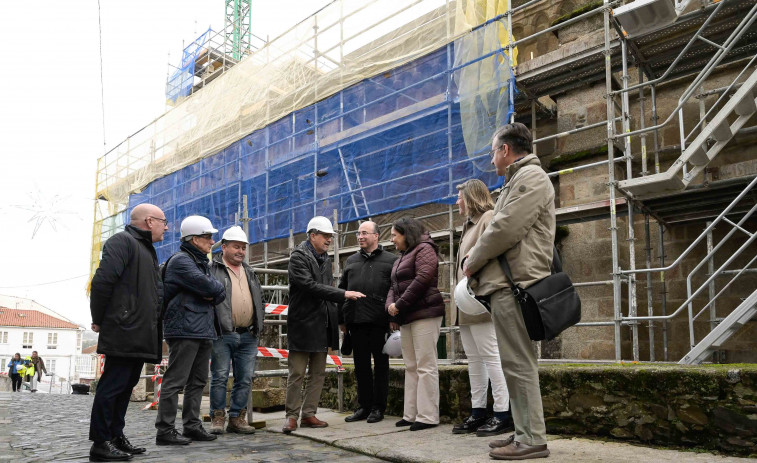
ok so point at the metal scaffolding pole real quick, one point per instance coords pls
(650, 311)
(663, 293)
(616, 286)
(626, 117)
(711, 286)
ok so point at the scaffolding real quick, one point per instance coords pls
(334, 145)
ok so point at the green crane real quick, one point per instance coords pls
(237, 27)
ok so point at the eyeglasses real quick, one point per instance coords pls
(163, 221)
(365, 233)
(494, 151)
(206, 236)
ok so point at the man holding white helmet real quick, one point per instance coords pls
(241, 319)
(312, 323)
(190, 291)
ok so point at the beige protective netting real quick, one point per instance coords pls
(344, 43)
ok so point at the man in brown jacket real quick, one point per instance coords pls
(523, 228)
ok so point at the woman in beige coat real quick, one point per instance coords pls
(477, 331)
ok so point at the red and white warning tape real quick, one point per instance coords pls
(276, 309)
(283, 353)
(160, 381)
(262, 352)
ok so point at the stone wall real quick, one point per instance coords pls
(708, 407)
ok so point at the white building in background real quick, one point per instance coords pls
(29, 326)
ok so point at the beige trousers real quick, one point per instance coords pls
(421, 372)
(520, 368)
(315, 363)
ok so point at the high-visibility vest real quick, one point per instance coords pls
(30, 367)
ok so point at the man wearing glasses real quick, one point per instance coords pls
(125, 301)
(190, 326)
(523, 229)
(366, 322)
(312, 323)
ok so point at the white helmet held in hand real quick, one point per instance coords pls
(321, 224)
(235, 233)
(393, 345)
(466, 301)
(196, 225)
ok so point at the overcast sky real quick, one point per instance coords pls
(51, 125)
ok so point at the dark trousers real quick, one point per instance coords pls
(372, 386)
(187, 369)
(16, 382)
(112, 397)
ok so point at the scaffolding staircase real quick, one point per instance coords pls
(718, 336)
(703, 149)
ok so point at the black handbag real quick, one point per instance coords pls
(346, 344)
(550, 305)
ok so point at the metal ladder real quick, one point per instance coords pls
(700, 152)
(718, 336)
(355, 186)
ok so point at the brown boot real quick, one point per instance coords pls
(217, 421)
(238, 424)
(289, 426)
(312, 422)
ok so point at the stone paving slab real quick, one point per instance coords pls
(386, 441)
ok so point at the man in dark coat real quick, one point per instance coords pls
(190, 327)
(312, 307)
(125, 301)
(366, 322)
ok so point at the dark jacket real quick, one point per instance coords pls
(125, 297)
(414, 288)
(188, 287)
(371, 275)
(223, 310)
(312, 323)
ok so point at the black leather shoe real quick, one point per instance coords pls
(359, 415)
(403, 422)
(375, 416)
(418, 426)
(469, 425)
(123, 444)
(106, 451)
(199, 434)
(172, 437)
(495, 426)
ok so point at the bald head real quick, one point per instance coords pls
(151, 218)
(367, 236)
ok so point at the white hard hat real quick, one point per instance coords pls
(393, 345)
(235, 233)
(466, 301)
(196, 225)
(321, 224)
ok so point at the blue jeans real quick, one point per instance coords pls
(240, 350)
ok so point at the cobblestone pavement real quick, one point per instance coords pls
(42, 428)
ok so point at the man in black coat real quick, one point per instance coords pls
(366, 322)
(312, 322)
(125, 301)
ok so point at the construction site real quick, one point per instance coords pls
(641, 114)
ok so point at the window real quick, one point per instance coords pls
(3, 337)
(28, 340)
(50, 365)
(78, 340)
(52, 340)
